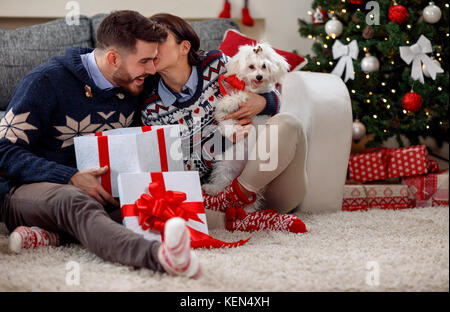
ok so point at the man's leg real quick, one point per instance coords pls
(67, 209)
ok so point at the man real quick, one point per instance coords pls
(44, 199)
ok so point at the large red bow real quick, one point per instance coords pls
(155, 209)
(161, 205)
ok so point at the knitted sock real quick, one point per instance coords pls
(246, 18)
(226, 12)
(267, 219)
(230, 197)
(25, 237)
(175, 254)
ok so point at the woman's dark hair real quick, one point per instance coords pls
(121, 29)
(182, 31)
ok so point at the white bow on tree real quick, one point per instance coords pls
(416, 54)
(346, 54)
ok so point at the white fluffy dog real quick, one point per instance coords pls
(256, 69)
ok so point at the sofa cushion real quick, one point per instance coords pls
(234, 39)
(23, 49)
(209, 31)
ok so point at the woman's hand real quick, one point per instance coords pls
(248, 109)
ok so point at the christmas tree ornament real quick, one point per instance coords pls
(247, 20)
(334, 27)
(369, 63)
(346, 54)
(368, 32)
(432, 13)
(226, 12)
(398, 13)
(412, 101)
(359, 130)
(425, 71)
(358, 2)
(395, 122)
(416, 54)
(319, 16)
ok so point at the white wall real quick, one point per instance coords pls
(276, 21)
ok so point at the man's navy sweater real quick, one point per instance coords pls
(52, 104)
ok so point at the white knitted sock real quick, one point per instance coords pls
(175, 254)
(24, 237)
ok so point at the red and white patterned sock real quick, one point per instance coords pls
(267, 219)
(25, 237)
(175, 254)
(230, 197)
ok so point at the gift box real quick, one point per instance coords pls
(355, 198)
(148, 200)
(388, 196)
(408, 161)
(133, 130)
(385, 163)
(135, 151)
(371, 196)
(429, 189)
(368, 166)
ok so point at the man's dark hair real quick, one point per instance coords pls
(121, 29)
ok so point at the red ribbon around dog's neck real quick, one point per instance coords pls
(232, 81)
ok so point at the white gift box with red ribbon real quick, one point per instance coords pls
(133, 185)
(130, 150)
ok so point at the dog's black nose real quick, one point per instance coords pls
(259, 77)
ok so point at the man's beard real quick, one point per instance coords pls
(123, 79)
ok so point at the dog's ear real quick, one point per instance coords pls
(281, 65)
(236, 65)
(233, 65)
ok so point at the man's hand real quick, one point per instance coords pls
(254, 105)
(87, 181)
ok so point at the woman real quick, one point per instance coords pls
(183, 92)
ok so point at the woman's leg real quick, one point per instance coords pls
(283, 173)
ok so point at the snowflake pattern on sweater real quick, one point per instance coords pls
(48, 109)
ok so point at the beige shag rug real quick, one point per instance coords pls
(377, 250)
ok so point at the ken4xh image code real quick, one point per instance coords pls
(229, 301)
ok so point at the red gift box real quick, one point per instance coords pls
(428, 190)
(371, 196)
(408, 161)
(368, 166)
(383, 163)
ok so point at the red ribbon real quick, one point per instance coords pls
(103, 155)
(154, 209)
(232, 81)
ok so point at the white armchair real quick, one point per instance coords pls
(322, 103)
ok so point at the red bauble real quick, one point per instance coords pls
(412, 102)
(358, 2)
(398, 13)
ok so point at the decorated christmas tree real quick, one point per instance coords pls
(393, 57)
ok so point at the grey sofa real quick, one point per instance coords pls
(24, 48)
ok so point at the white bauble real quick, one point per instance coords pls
(425, 71)
(369, 63)
(334, 27)
(359, 130)
(432, 13)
